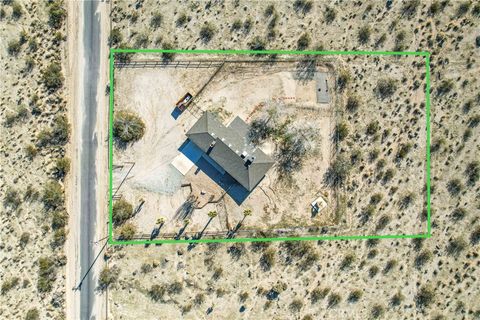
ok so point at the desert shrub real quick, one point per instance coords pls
(347, 262)
(175, 287)
(318, 294)
(52, 76)
(108, 276)
(267, 260)
(59, 237)
(354, 296)
(236, 25)
(406, 200)
(472, 172)
(343, 79)
(14, 47)
(388, 175)
(396, 299)
(303, 42)
(333, 300)
(308, 261)
(269, 10)
(247, 25)
(386, 87)
(353, 102)
(207, 32)
(475, 236)
(257, 44)
(156, 20)
(458, 214)
(128, 127)
(53, 196)
(372, 271)
(157, 291)
(167, 56)
(127, 231)
(21, 113)
(377, 311)
(199, 299)
(181, 20)
(400, 41)
(217, 273)
(142, 40)
(389, 266)
(32, 314)
(122, 210)
(364, 34)
(338, 172)
(62, 167)
(17, 10)
(123, 57)
(341, 132)
(463, 8)
(46, 274)
(402, 151)
(329, 15)
(276, 290)
(12, 198)
(30, 194)
(29, 64)
(59, 219)
(372, 128)
(376, 198)
(236, 250)
(424, 297)
(302, 6)
(474, 120)
(115, 37)
(56, 14)
(2, 13)
(456, 246)
(24, 238)
(422, 258)
(445, 87)
(9, 284)
(409, 8)
(33, 44)
(454, 187)
(296, 306)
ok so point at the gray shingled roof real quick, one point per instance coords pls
(232, 149)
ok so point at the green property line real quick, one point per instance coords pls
(111, 241)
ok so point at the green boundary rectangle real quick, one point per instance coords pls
(358, 237)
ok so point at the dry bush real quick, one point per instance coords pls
(122, 210)
(128, 127)
(108, 276)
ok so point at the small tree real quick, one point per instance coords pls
(32, 314)
(343, 79)
(330, 15)
(17, 11)
(424, 297)
(157, 292)
(354, 296)
(115, 37)
(181, 20)
(353, 102)
(128, 127)
(14, 47)
(122, 210)
(46, 274)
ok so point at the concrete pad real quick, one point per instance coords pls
(182, 163)
(322, 87)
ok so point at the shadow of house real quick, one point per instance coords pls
(226, 155)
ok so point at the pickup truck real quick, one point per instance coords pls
(183, 103)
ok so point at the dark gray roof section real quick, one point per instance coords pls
(231, 149)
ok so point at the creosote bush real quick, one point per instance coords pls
(56, 13)
(338, 172)
(52, 76)
(108, 276)
(207, 32)
(156, 292)
(156, 20)
(62, 167)
(386, 88)
(46, 274)
(128, 127)
(53, 197)
(32, 314)
(303, 42)
(127, 231)
(364, 34)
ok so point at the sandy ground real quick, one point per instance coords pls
(395, 279)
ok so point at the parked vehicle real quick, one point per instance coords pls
(183, 103)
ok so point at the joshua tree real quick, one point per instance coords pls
(160, 221)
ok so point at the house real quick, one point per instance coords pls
(230, 149)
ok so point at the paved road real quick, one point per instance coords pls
(88, 212)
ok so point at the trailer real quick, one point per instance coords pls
(183, 103)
